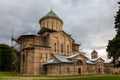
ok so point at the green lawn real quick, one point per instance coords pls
(96, 77)
(14, 76)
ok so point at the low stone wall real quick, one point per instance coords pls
(111, 70)
(115, 70)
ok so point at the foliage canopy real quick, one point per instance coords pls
(6, 57)
(113, 47)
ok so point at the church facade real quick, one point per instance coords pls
(54, 52)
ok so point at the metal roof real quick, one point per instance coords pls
(62, 58)
(51, 14)
(89, 62)
(52, 61)
(74, 55)
(66, 59)
(94, 59)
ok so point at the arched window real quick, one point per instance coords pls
(55, 24)
(41, 55)
(47, 23)
(100, 65)
(61, 47)
(23, 58)
(43, 24)
(79, 62)
(54, 47)
(68, 70)
(52, 23)
(67, 49)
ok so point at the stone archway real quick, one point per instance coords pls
(99, 69)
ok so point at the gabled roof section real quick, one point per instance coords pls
(69, 36)
(52, 61)
(62, 58)
(89, 62)
(29, 35)
(75, 55)
(67, 59)
(52, 15)
(95, 59)
(94, 52)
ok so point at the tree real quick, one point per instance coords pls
(6, 57)
(113, 47)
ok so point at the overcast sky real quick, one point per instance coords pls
(90, 22)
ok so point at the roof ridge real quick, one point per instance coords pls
(61, 58)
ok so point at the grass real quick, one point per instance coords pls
(96, 77)
(14, 76)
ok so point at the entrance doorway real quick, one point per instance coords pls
(99, 71)
(44, 69)
(79, 70)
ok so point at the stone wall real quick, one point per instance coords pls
(51, 23)
(112, 70)
(30, 40)
(60, 39)
(26, 59)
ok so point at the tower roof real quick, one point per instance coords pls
(52, 15)
(94, 52)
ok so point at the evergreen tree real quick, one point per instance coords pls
(6, 57)
(113, 47)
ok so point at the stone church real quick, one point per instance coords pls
(53, 52)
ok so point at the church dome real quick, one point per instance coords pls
(50, 14)
(51, 21)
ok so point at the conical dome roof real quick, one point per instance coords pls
(52, 15)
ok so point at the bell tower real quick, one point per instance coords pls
(94, 54)
(51, 21)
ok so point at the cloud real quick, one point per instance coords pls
(90, 22)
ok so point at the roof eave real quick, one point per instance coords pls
(50, 17)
